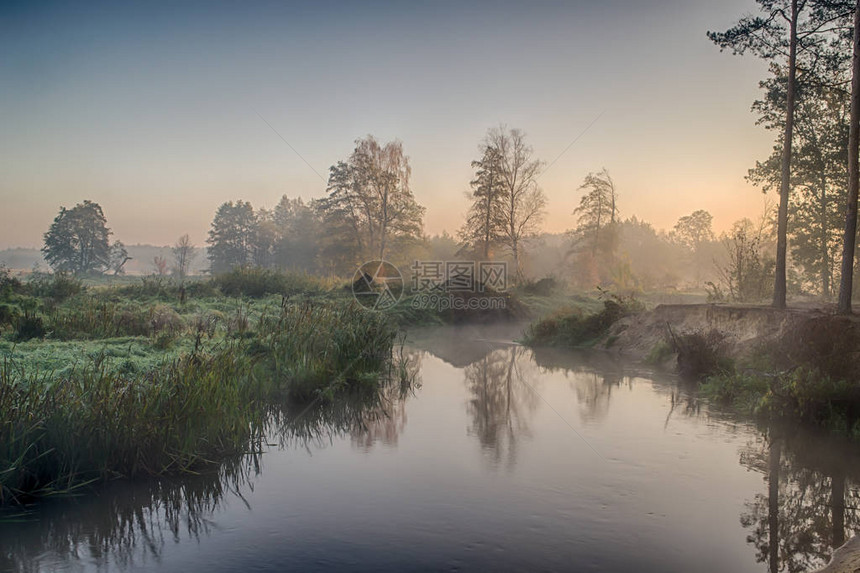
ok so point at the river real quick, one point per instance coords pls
(494, 458)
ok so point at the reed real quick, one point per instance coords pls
(95, 421)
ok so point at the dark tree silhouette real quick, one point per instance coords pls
(850, 240)
(232, 236)
(785, 28)
(77, 240)
(184, 252)
(482, 227)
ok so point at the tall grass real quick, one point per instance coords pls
(93, 318)
(258, 282)
(92, 422)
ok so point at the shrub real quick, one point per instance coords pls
(828, 344)
(543, 287)
(659, 353)
(206, 324)
(571, 327)
(9, 285)
(257, 282)
(153, 286)
(7, 314)
(809, 394)
(201, 289)
(165, 319)
(801, 394)
(702, 354)
(746, 392)
(28, 326)
(58, 286)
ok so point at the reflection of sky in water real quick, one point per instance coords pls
(497, 457)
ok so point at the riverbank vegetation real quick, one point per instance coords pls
(158, 378)
(157, 375)
(808, 375)
(575, 326)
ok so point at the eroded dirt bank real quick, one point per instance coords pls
(747, 329)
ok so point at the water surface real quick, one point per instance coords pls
(495, 458)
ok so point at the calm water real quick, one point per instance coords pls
(496, 458)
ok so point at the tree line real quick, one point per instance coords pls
(369, 212)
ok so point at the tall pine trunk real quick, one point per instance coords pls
(825, 254)
(849, 241)
(779, 286)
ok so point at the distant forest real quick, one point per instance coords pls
(141, 263)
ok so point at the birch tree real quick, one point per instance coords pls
(522, 200)
(369, 197)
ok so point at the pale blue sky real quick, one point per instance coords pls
(151, 109)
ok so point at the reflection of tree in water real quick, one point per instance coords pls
(383, 425)
(500, 402)
(683, 402)
(129, 523)
(593, 377)
(386, 419)
(367, 415)
(593, 393)
(812, 499)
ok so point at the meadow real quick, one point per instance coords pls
(154, 377)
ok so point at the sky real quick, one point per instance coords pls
(160, 112)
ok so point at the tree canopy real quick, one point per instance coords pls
(78, 240)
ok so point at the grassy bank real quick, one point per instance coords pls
(156, 378)
(580, 326)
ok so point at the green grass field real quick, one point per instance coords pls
(152, 377)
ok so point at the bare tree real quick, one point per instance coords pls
(159, 264)
(746, 273)
(184, 252)
(118, 258)
(522, 202)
